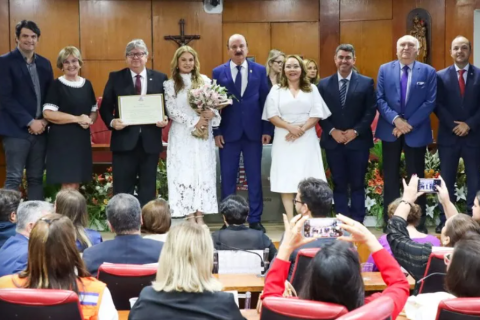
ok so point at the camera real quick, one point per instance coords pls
(428, 185)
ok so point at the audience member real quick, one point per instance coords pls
(57, 264)
(412, 220)
(334, 274)
(312, 71)
(9, 202)
(14, 252)
(72, 204)
(125, 220)
(156, 220)
(234, 209)
(274, 65)
(185, 287)
(411, 255)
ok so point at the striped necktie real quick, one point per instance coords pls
(343, 91)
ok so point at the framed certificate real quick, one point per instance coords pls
(148, 109)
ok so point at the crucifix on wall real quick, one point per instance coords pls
(182, 39)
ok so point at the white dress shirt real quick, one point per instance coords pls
(244, 71)
(464, 74)
(143, 80)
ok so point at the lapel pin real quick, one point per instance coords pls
(151, 79)
(250, 70)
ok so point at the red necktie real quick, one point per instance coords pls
(138, 84)
(461, 82)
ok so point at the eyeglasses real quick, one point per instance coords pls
(295, 201)
(278, 62)
(136, 55)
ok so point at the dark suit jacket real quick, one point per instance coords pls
(452, 107)
(244, 238)
(358, 113)
(18, 101)
(130, 249)
(245, 115)
(184, 305)
(120, 83)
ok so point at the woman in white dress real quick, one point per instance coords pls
(294, 106)
(191, 161)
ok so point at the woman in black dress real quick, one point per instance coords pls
(71, 108)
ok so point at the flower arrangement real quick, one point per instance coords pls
(208, 96)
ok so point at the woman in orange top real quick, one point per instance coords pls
(54, 263)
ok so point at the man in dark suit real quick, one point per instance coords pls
(24, 80)
(135, 148)
(347, 136)
(124, 216)
(242, 130)
(9, 202)
(458, 109)
(406, 92)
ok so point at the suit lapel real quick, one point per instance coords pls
(351, 87)
(333, 86)
(396, 74)
(470, 81)
(128, 83)
(23, 66)
(452, 83)
(149, 81)
(413, 83)
(249, 74)
(228, 73)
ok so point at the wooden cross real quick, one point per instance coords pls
(182, 39)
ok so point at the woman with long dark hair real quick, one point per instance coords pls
(55, 263)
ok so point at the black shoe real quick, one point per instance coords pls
(439, 228)
(258, 226)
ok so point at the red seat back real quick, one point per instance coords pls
(39, 304)
(126, 281)
(274, 308)
(304, 257)
(435, 264)
(379, 309)
(459, 309)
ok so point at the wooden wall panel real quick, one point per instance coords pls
(270, 11)
(166, 16)
(436, 8)
(300, 38)
(257, 35)
(329, 36)
(4, 27)
(107, 26)
(97, 72)
(370, 52)
(354, 10)
(57, 20)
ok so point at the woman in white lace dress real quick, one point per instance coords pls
(191, 161)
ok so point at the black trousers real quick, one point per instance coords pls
(415, 161)
(127, 166)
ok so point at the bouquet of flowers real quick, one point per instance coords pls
(208, 96)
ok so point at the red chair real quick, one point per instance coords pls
(274, 308)
(304, 257)
(459, 309)
(378, 309)
(435, 282)
(39, 304)
(126, 281)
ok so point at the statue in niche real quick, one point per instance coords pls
(419, 31)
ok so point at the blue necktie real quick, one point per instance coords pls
(403, 89)
(238, 80)
(343, 92)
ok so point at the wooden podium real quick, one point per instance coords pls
(3, 168)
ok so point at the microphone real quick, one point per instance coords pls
(432, 274)
(262, 263)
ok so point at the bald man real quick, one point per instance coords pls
(242, 130)
(406, 92)
(458, 109)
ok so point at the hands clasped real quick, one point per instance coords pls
(37, 126)
(294, 132)
(401, 127)
(344, 137)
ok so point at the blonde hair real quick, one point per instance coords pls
(272, 56)
(186, 261)
(317, 77)
(65, 53)
(197, 80)
(304, 82)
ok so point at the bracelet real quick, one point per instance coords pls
(405, 201)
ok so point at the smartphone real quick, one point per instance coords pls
(428, 185)
(322, 227)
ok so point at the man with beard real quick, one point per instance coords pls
(458, 109)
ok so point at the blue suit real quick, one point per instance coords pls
(348, 163)
(14, 255)
(129, 249)
(419, 104)
(450, 107)
(242, 128)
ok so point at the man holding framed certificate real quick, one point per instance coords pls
(133, 108)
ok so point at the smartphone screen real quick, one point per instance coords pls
(321, 227)
(428, 185)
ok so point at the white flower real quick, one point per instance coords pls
(108, 186)
(82, 187)
(49, 200)
(460, 193)
(369, 203)
(430, 210)
(97, 188)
